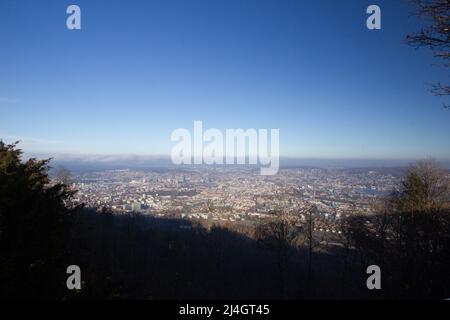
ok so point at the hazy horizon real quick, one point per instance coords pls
(80, 162)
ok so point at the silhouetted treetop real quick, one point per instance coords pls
(34, 225)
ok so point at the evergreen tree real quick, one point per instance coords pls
(34, 227)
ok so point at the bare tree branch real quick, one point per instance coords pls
(435, 35)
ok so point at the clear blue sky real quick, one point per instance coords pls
(140, 69)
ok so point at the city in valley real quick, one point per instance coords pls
(237, 195)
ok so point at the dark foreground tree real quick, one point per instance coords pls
(409, 237)
(434, 35)
(34, 227)
(278, 236)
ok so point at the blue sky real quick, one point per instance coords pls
(140, 69)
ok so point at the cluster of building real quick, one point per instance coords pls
(235, 193)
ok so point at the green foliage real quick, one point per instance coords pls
(34, 226)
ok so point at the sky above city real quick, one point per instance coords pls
(138, 70)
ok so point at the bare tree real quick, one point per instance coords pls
(434, 35)
(408, 236)
(278, 235)
(424, 189)
(309, 213)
